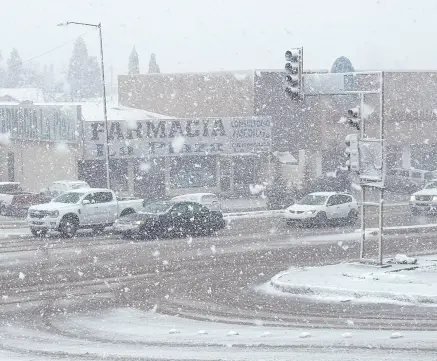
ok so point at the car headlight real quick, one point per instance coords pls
(137, 223)
(434, 198)
(53, 214)
(311, 212)
(412, 198)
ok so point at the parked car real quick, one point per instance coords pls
(319, 208)
(209, 200)
(401, 185)
(57, 188)
(14, 200)
(94, 208)
(418, 176)
(425, 200)
(166, 218)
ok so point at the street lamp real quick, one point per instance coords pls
(105, 111)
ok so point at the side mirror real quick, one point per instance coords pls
(85, 202)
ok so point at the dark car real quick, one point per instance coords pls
(169, 219)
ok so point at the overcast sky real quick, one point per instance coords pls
(208, 35)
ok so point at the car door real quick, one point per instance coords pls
(179, 218)
(345, 205)
(333, 207)
(199, 218)
(106, 207)
(89, 211)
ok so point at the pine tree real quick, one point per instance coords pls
(153, 65)
(134, 63)
(83, 73)
(93, 80)
(14, 71)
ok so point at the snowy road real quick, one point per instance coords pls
(195, 284)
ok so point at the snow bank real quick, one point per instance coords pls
(408, 280)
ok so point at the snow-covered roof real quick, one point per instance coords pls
(22, 94)
(285, 157)
(92, 112)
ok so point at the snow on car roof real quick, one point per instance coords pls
(327, 193)
(70, 181)
(194, 195)
(86, 190)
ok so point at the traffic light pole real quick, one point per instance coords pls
(364, 184)
(363, 190)
(383, 167)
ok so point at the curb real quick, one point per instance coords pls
(426, 228)
(348, 294)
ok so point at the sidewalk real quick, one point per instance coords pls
(411, 282)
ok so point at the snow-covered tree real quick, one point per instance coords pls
(134, 63)
(83, 73)
(14, 72)
(153, 65)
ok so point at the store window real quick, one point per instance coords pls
(119, 174)
(193, 171)
(424, 156)
(246, 170)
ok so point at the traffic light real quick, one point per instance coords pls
(294, 68)
(354, 117)
(352, 152)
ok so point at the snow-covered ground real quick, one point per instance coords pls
(407, 283)
(133, 334)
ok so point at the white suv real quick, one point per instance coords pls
(321, 207)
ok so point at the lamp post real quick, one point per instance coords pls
(105, 110)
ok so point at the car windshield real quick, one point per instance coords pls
(68, 198)
(313, 200)
(431, 185)
(156, 207)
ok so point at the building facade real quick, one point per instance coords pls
(160, 158)
(310, 130)
(39, 143)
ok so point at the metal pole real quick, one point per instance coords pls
(363, 190)
(381, 199)
(105, 111)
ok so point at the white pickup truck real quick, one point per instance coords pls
(94, 208)
(425, 200)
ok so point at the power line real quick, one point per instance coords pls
(48, 51)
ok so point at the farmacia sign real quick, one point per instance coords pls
(178, 137)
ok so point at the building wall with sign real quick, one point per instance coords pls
(157, 158)
(39, 143)
(312, 125)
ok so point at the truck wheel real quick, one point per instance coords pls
(3, 211)
(127, 211)
(68, 227)
(39, 232)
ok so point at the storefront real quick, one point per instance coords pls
(159, 158)
(39, 143)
